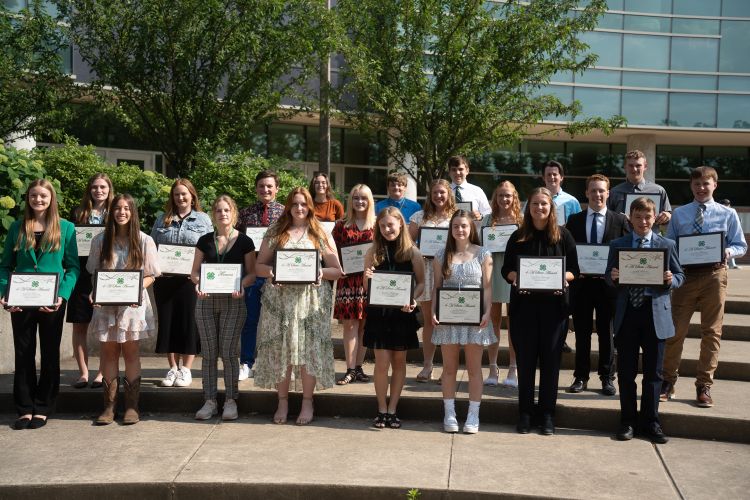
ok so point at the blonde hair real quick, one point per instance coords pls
(515, 205)
(430, 210)
(350, 217)
(232, 208)
(51, 237)
(404, 243)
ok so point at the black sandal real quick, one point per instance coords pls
(392, 421)
(380, 421)
(349, 376)
(360, 375)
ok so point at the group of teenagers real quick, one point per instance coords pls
(281, 333)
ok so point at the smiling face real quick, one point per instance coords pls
(99, 191)
(266, 190)
(396, 190)
(390, 227)
(539, 208)
(504, 198)
(461, 228)
(222, 214)
(183, 200)
(320, 185)
(439, 196)
(299, 208)
(458, 173)
(359, 202)
(635, 168)
(597, 193)
(642, 221)
(703, 188)
(552, 179)
(121, 212)
(39, 199)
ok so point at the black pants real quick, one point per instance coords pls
(591, 295)
(537, 335)
(29, 394)
(637, 332)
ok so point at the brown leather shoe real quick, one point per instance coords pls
(703, 399)
(667, 391)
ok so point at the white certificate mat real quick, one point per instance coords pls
(642, 266)
(592, 259)
(390, 289)
(256, 233)
(465, 205)
(327, 225)
(296, 267)
(118, 288)
(431, 240)
(32, 289)
(495, 238)
(701, 249)
(85, 233)
(353, 257)
(220, 278)
(541, 274)
(630, 197)
(459, 306)
(176, 260)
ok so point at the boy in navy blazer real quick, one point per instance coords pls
(643, 321)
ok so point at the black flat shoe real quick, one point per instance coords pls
(577, 386)
(21, 423)
(80, 384)
(625, 433)
(548, 426)
(37, 423)
(96, 385)
(524, 424)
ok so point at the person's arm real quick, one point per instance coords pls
(8, 262)
(338, 209)
(736, 246)
(264, 262)
(70, 262)
(413, 231)
(612, 274)
(332, 271)
(249, 279)
(437, 272)
(151, 269)
(195, 273)
(487, 287)
(674, 276)
(417, 266)
(510, 261)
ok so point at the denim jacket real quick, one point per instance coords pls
(187, 232)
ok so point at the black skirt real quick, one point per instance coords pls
(175, 306)
(391, 329)
(80, 309)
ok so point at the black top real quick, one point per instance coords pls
(235, 255)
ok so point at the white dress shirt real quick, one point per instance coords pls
(599, 224)
(471, 192)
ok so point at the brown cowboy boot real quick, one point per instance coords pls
(110, 402)
(132, 391)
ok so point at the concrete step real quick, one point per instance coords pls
(736, 327)
(737, 306)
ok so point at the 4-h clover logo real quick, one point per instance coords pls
(461, 300)
(34, 284)
(596, 253)
(298, 260)
(210, 276)
(178, 253)
(543, 267)
(120, 281)
(439, 237)
(491, 237)
(393, 282)
(701, 243)
(644, 260)
(89, 235)
(359, 252)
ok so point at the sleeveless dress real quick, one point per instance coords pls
(350, 292)
(295, 329)
(418, 219)
(500, 287)
(387, 327)
(464, 275)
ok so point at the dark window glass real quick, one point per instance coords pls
(735, 46)
(599, 77)
(373, 177)
(287, 141)
(258, 140)
(698, 7)
(692, 110)
(678, 191)
(649, 80)
(729, 162)
(606, 45)
(695, 54)
(693, 82)
(647, 23)
(695, 26)
(734, 111)
(653, 6)
(587, 158)
(313, 144)
(604, 103)
(735, 8)
(360, 150)
(741, 83)
(644, 108)
(645, 51)
(534, 154)
(675, 162)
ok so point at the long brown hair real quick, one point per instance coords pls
(404, 243)
(279, 229)
(515, 204)
(430, 209)
(329, 189)
(51, 237)
(87, 202)
(135, 254)
(171, 211)
(527, 226)
(450, 245)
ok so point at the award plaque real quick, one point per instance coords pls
(327, 226)
(698, 250)
(462, 306)
(390, 289)
(592, 259)
(176, 260)
(85, 234)
(465, 205)
(118, 288)
(560, 214)
(642, 266)
(353, 257)
(220, 278)
(541, 274)
(631, 197)
(256, 233)
(32, 289)
(296, 267)
(431, 240)
(495, 238)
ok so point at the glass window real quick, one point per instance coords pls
(373, 177)
(287, 141)
(258, 140)
(14, 5)
(735, 46)
(360, 150)
(313, 144)
(654, 6)
(741, 83)
(675, 162)
(649, 80)
(599, 77)
(734, 111)
(608, 46)
(644, 51)
(644, 108)
(610, 21)
(692, 110)
(604, 103)
(730, 162)
(693, 82)
(562, 92)
(735, 8)
(615, 4)
(696, 26)
(586, 158)
(698, 7)
(563, 77)
(648, 23)
(534, 154)
(695, 54)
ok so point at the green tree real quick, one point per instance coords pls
(186, 72)
(446, 77)
(33, 85)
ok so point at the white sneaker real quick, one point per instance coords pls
(230, 410)
(207, 411)
(171, 377)
(472, 421)
(184, 378)
(512, 379)
(492, 380)
(245, 372)
(450, 424)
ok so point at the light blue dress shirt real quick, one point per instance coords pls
(716, 217)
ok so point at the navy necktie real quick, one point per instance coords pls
(594, 237)
(637, 293)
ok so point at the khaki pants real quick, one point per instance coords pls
(704, 290)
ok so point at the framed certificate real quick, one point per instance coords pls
(118, 288)
(642, 266)
(495, 238)
(176, 260)
(327, 225)
(353, 257)
(256, 233)
(631, 197)
(541, 274)
(592, 259)
(701, 249)
(220, 278)
(32, 289)
(85, 234)
(432, 239)
(390, 289)
(465, 205)
(456, 306)
(296, 267)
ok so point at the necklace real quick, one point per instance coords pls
(220, 256)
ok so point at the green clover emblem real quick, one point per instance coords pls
(393, 282)
(543, 267)
(491, 237)
(34, 284)
(644, 260)
(178, 253)
(298, 260)
(461, 300)
(439, 237)
(701, 243)
(210, 276)
(359, 253)
(120, 281)
(89, 236)
(596, 253)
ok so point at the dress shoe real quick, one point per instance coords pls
(577, 386)
(625, 433)
(655, 434)
(548, 425)
(21, 423)
(37, 423)
(608, 388)
(703, 396)
(524, 424)
(667, 391)
(566, 348)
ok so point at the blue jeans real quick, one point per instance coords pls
(250, 330)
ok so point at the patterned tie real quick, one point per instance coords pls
(594, 237)
(264, 219)
(698, 222)
(458, 194)
(637, 292)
